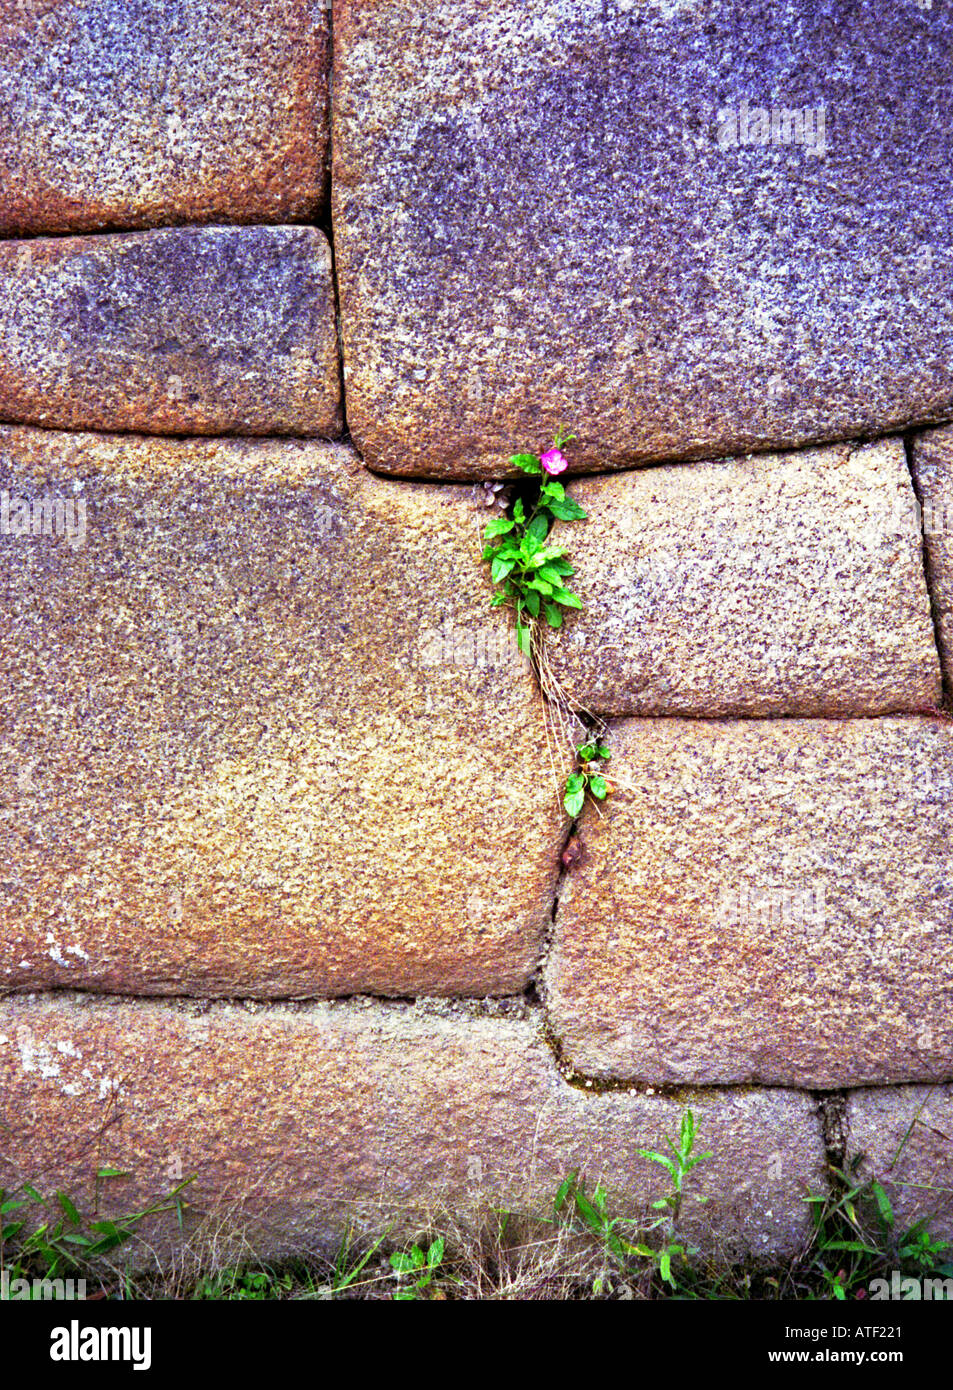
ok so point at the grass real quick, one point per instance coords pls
(581, 1251)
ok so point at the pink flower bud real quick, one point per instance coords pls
(554, 461)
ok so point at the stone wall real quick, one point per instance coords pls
(290, 901)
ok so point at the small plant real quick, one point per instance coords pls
(256, 1285)
(416, 1263)
(678, 1168)
(609, 1229)
(856, 1238)
(65, 1241)
(346, 1269)
(297, 1281)
(596, 1219)
(919, 1248)
(589, 756)
(531, 574)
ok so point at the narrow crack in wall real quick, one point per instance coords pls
(326, 225)
(832, 1113)
(930, 579)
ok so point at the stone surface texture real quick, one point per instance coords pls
(262, 733)
(763, 901)
(569, 213)
(932, 459)
(788, 585)
(297, 1119)
(906, 1133)
(190, 330)
(118, 114)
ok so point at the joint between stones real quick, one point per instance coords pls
(832, 1114)
(929, 576)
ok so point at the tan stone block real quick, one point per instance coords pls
(262, 733)
(763, 901)
(659, 226)
(117, 115)
(791, 584)
(293, 1119)
(906, 1133)
(189, 330)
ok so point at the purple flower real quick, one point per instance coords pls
(554, 461)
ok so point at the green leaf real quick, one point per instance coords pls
(553, 490)
(519, 512)
(567, 599)
(111, 1173)
(573, 802)
(603, 753)
(665, 1267)
(402, 1263)
(575, 782)
(597, 785)
(32, 1193)
(586, 751)
(588, 1212)
(551, 575)
(563, 1191)
(500, 569)
(540, 586)
(553, 616)
(498, 527)
(69, 1208)
(882, 1200)
(523, 639)
(435, 1253)
(532, 602)
(508, 549)
(658, 1158)
(569, 510)
(539, 527)
(108, 1228)
(528, 462)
